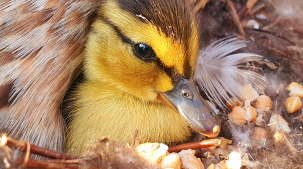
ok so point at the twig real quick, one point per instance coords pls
(274, 34)
(242, 11)
(250, 4)
(60, 160)
(200, 4)
(27, 153)
(257, 8)
(235, 16)
(37, 150)
(278, 51)
(200, 144)
(49, 164)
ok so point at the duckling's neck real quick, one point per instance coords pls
(103, 110)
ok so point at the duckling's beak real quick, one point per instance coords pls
(186, 100)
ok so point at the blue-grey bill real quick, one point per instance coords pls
(185, 99)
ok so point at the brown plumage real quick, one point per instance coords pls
(41, 43)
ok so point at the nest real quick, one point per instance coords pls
(273, 31)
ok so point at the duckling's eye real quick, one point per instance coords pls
(144, 52)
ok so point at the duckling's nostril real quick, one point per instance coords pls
(187, 95)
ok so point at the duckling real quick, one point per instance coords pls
(138, 55)
(139, 60)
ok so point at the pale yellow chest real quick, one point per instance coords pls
(104, 111)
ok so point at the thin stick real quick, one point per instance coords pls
(235, 16)
(27, 153)
(257, 8)
(199, 144)
(278, 51)
(37, 150)
(274, 34)
(250, 4)
(60, 160)
(200, 4)
(34, 163)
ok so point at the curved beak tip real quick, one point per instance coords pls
(216, 131)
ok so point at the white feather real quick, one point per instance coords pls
(220, 72)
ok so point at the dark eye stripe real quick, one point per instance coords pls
(170, 71)
(118, 31)
(125, 39)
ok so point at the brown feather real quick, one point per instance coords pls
(4, 93)
(41, 45)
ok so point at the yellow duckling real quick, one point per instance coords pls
(140, 56)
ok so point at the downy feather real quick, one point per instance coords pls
(220, 72)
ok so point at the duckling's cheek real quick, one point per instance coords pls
(164, 83)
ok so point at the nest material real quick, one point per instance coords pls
(275, 33)
(278, 39)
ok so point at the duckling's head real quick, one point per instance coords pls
(146, 50)
(141, 46)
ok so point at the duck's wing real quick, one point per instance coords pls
(41, 42)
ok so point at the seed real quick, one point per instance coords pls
(295, 89)
(263, 103)
(237, 116)
(171, 161)
(293, 104)
(189, 160)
